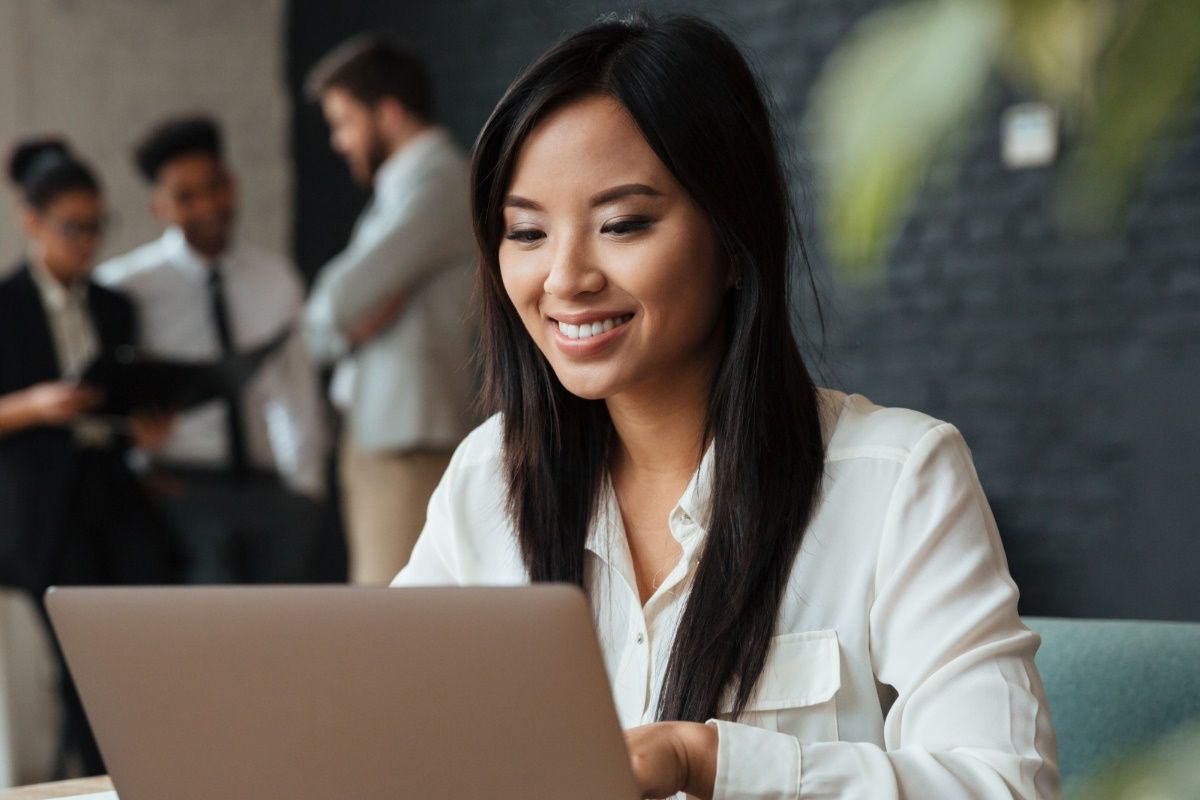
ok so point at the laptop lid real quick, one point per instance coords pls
(308, 693)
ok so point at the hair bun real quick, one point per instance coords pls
(32, 155)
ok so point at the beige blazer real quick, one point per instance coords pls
(411, 386)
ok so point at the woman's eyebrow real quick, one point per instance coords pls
(603, 198)
(624, 190)
(516, 201)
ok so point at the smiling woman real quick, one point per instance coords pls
(613, 268)
(797, 593)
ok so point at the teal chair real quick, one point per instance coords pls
(1116, 688)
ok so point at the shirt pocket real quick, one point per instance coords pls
(796, 693)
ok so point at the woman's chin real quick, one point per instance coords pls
(587, 387)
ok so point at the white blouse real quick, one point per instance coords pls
(899, 668)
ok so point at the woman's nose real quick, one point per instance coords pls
(573, 270)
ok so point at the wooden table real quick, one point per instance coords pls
(50, 791)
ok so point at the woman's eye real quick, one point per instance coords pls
(526, 236)
(624, 227)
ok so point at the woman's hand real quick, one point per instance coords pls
(670, 757)
(50, 403)
(58, 402)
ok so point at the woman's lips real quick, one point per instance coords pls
(587, 335)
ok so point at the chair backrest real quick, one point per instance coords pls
(1116, 687)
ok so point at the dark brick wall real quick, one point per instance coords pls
(1071, 366)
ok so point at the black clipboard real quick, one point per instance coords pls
(133, 380)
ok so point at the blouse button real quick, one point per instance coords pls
(641, 639)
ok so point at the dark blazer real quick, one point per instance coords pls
(39, 466)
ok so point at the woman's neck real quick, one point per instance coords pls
(660, 430)
(40, 263)
(660, 441)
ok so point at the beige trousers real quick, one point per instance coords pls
(384, 496)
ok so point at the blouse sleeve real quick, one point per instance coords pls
(970, 718)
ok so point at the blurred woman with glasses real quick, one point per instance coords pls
(71, 510)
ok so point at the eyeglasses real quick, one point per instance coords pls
(79, 229)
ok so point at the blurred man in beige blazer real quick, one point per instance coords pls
(391, 310)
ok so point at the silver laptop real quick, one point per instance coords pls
(312, 693)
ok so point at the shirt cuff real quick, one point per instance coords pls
(324, 341)
(755, 764)
(336, 345)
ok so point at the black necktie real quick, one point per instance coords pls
(238, 460)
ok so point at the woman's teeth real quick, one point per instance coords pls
(590, 329)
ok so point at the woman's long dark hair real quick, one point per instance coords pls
(697, 102)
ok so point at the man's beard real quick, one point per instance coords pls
(376, 153)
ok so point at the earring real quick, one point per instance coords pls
(738, 284)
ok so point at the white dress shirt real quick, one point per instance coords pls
(411, 386)
(281, 406)
(899, 668)
(76, 343)
(75, 340)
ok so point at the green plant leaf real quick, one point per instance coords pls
(883, 106)
(1170, 770)
(1146, 77)
(1053, 47)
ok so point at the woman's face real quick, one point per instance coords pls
(613, 268)
(67, 233)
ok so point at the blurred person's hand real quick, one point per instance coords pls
(58, 402)
(380, 319)
(151, 429)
